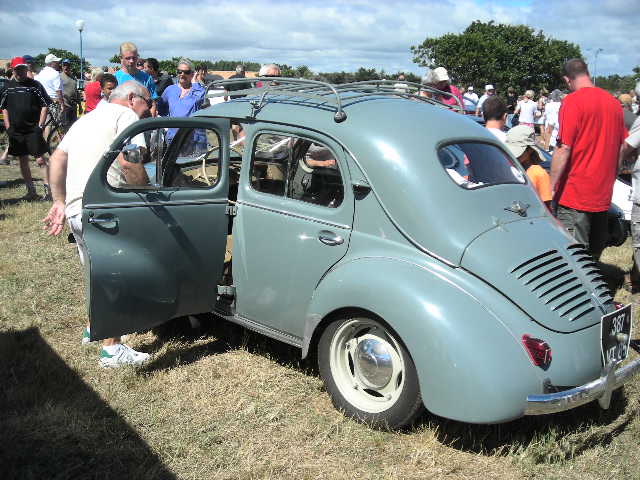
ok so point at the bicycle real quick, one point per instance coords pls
(53, 129)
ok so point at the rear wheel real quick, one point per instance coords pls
(369, 373)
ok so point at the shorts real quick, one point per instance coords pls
(75, 224)
(69, 116)
(589, 228)
(27, 143)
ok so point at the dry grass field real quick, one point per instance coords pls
(222, 403)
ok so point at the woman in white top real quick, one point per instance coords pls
(551, 124)
(527, 109)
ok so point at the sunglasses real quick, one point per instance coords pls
(185, 72)
(147, 100)
(140, 64)
(133, 57)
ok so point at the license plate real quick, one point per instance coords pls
(615, 335)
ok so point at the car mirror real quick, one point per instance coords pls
(132, 153)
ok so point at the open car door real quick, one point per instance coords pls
(156, 248)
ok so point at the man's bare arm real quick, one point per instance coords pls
(559, 163)
(43, 115)
(54, 221)
(134, 173)
(626, 156)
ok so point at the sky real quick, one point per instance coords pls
(325, 35)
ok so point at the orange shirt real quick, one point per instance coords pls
(540, 181)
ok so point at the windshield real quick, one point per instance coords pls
(474, 165)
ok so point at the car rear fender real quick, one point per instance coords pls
(471, 366)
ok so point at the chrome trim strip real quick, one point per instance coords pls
(97, 206)
(262, 329)
(295, 215)
(594, 390)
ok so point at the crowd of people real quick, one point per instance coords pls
(584, 127)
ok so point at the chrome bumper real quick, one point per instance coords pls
(599, 389)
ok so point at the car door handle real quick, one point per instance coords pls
(329, 238)
(103, 220)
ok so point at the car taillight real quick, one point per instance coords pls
(539, 351)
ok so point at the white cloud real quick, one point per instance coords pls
(327, 36)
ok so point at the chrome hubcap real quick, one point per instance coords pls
(373, 362)
(367, 365)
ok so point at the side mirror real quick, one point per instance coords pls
(132, 153)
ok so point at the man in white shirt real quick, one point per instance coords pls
(495, 115)
(470, 99)
(71, 165)
(489, 90)
(50, 79)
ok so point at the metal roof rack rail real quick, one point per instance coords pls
(326, 92)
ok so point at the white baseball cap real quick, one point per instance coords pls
(488, 87)
(51, 58)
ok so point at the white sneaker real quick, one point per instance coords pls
(124, 355)
(86, 339)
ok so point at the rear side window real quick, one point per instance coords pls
(474, 165)
(296, 168)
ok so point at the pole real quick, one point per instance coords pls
(81, 83)
(595, 66)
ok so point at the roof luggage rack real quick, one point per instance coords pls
(326, 92)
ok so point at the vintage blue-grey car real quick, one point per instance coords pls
(377, 230)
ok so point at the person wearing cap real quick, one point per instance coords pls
(240, 73)
(438, 78)
(470, 99)
(520, 141)
(488, 91)
(50, 79)
(24, 103)
(30, 61)
(70, 95)
(584, 165)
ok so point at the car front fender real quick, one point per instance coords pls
(471, 366)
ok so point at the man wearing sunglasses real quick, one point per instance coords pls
(129, 59)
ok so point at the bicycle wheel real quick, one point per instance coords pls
(54, 138)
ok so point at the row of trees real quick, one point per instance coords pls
(485, 52)
(500, 54)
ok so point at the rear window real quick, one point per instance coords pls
(474, 165)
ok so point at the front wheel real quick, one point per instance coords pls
(369, 373)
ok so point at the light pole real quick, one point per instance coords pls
(595, 65)
(80, 27)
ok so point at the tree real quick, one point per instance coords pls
(62, 54)
(503, 55)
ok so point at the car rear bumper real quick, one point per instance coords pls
(599, 389)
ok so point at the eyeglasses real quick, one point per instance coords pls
(147, 100)
(132, 57)
(185, 72)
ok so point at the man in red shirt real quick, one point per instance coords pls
(585, 164)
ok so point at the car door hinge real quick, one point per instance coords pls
(231, 210)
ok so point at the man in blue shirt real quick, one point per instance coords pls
(128, 71)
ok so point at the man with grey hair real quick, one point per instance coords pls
(269, 70)
(71, 165)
